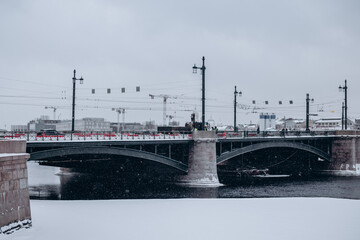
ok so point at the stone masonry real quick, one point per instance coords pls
(345, 154)
(202, 160)
(14, 192)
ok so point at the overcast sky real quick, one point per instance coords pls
(272, 50)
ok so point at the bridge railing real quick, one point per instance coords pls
(95, 136)
(269, 134)
(106, 136)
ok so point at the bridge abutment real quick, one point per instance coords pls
(14, 193)
(202, 168)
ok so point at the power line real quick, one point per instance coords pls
(33, 82)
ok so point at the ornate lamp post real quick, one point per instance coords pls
(307, 111)
(202, 68)
(73, 100)
(235, 104)
(344, 89)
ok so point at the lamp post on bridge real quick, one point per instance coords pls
(342, 116)
(344, 89)
(235, 104)
(202, 68)
(307, 111)
(73, 101)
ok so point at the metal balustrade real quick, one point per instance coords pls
(96, 136)
(136, 136)
(277, 134)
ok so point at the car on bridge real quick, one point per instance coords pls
(49, 133)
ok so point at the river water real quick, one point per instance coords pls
(53, 183)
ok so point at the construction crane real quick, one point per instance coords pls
(54, 108)
(119, 111)
(165, 98)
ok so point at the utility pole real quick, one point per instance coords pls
(202, 68)
(344, 88)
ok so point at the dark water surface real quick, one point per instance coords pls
(51, 183)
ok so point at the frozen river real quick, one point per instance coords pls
(263, 212)
(52, 183)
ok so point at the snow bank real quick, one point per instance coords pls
(278, 218)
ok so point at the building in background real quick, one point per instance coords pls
(292, 124)
(43, 122)
(85, 125)
(328, 123)
(19, 128)
(267, 121)
(134, 127)
(332, 124)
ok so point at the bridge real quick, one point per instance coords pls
(183, 154)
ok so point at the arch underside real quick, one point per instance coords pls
(259, 146)
(60, 152)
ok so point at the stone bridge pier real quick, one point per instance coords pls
(202, 168)
(345, 156)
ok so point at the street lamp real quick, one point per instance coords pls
(307, 111)
(73, 100)
(342, 116)
(235, 104)
(195, 68)
(344, 89)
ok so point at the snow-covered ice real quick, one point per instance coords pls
(270, 218)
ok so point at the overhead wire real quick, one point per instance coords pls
(33, 82)
(187, 103)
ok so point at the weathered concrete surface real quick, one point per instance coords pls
(202, 168)
(14, 192)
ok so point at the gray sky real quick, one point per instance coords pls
(272, 50)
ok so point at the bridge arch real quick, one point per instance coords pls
(41, 155)
(258, 146)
